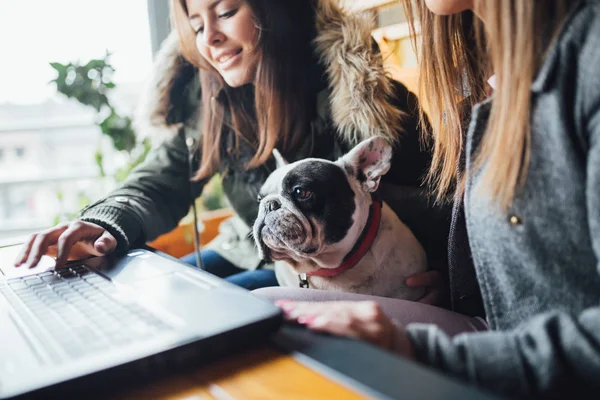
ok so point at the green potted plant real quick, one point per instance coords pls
(90, 85)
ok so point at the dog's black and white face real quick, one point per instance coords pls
(315, 209)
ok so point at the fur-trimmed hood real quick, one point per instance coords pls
(360, 92)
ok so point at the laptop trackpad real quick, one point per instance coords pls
(199, 303)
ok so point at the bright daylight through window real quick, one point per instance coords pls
(54, 157)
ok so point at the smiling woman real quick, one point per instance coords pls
(226, 35)
(237, 42)
(235, 80)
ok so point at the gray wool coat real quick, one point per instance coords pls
(537, 265)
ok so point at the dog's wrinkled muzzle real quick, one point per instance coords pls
(282, 229)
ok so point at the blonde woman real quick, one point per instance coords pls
(525, 174)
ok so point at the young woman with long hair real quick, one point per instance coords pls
(236, 79)
(524, 174)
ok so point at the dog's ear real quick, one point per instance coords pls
(279, 160)
(368, 161)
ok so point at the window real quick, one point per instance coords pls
(48, 142)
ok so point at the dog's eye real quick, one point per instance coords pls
(302, 193)
(259, 198)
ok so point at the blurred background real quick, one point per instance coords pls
(49, 143)
(70, 78)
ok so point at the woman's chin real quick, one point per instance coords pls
(448, 7)
(236, 79)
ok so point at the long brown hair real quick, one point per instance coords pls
(283, 104)
(457, 55)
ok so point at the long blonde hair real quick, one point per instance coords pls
(457, 55)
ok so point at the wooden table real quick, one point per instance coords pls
(264, 373)
(298, 364)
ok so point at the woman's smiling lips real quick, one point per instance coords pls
(225, 59)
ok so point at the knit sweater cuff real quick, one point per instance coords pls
(124, 226)
(488, 359)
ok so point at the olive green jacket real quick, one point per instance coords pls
(358, 100)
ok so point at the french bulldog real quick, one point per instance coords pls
(324, 227)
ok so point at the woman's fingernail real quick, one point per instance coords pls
(293, 313)
(306, 320)
(318, 322)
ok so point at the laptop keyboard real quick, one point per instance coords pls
(81, 311)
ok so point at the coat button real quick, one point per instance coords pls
(190, 142)
(122, 199)
(515, 221)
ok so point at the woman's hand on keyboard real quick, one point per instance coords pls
(73, 240)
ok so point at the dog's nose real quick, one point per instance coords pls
(272, 205)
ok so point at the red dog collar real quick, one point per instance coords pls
(362, 245)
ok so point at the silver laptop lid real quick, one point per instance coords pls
(121, 310)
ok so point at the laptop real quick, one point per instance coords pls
(105, 320)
